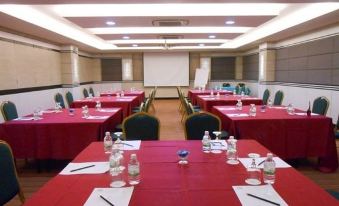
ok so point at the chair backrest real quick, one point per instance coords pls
(197, 123)
(147, 105)
(58, 98)
(85, 92)
(91, 91)
(247, 91)
(241, 84)
(278, 98)
(320, 105)
(69, 98)
(141, 126)
(226, 84)
(142, 107)
(10, 185)
(237, 89)
(8, 110)
(265, 96)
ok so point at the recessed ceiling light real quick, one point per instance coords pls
(134, 45)
(229, 22)
(211, 36)
(125, 37)
(110, 23)
(201, 44)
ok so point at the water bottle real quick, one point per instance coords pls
(290, 109)
(108, 142)
(98, 105)
(218, 95)
(133, 170)
(269, 103)
(254, 174)
(114, 162)
(122, 93)
(242, 93)
(234, 92)
(269, 169)
(239, 105)
(253, 110)
(211, 94)
(206, 142)
(232, 155)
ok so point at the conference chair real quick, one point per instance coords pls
(226, 85)
(247, 91)
(141, 126)
(320, 105)
(241, 84)
(265, 97)
(69, 98)
(59, 99)
(85, 92)
(237, 89)
(139, 109)
(278, 98)
(8, 110)
(91, 91)
(10, 186)
(197, 123)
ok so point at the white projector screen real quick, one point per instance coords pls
(166, 69)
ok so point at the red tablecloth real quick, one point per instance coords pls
(126, 103)
(139, 94)
(206, 102)
(289, 136)
(206, 180)
(57, 135)
(193, 93)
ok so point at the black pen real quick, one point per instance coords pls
(106, 200)
(126, 144)
(263, 199)
(81, 168)
(261, 162)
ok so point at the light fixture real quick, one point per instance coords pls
(211, 36)
(201, 44)
(125, 37)
(110, 23)
(229, 22)
(169, 41)
(135, 45)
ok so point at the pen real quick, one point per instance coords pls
(263, 199)
(106, 200)
(81, 168)
(261, 162)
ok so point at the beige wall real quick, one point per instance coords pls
(26, 66)
(89, 69)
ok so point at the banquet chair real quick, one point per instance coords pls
(241, 84)
(197, 123)
(265, 96)
(278, 98)
(58, 98)
(320, 105)
(237, 89)
(91, 91)
(247, 91)
(69, 98)
(10, 186)
(336, 130)
(8, 110)
(141, 126)
(85, 92)
(226, 85)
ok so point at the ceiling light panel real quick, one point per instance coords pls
(168, 30)
(222, 9)
(168, 41)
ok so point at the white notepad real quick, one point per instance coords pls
(75, 168)
(279, 163)
(97, 117)
(131, 145)
(226, 108)
(116, 196)
(238, 115)
(107, 110)
(263, 191)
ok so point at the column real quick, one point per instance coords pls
(69, 66)
(266, 62)
(238, 68)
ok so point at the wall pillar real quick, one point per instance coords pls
(267, 57)
(238, 67)
(70, 66)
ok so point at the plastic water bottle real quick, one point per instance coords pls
(108, 142)
(239, 105)
(269, 169)
(253, 110)
(122, 93)
(269, 103)
(133, 170)
(114, 162)
(206, 142)
(232, 154)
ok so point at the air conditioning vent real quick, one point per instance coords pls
(170, 36)
(170, 22)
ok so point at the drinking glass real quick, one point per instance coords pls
(183, 157)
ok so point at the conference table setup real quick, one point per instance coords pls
(58, 134)
(206, 179)
(193, 93)
(206, 102)
(289, 135)
(125, 102)
(139, 93)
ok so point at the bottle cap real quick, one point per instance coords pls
(207, 133)
(269, 155)
(107, 133)
(231, 137)
(133, 156)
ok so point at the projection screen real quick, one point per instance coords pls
(166, 69)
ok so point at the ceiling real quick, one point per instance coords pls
(103, 26)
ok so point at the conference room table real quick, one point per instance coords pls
(140, 94)
(193, 93)
(206, 180)
(288, 136)
(58, 135)
(206, 102)
(125, 102)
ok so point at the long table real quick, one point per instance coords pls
(206, 102)
(138, 93)
(126, 103)
(57, 135)
(206, 180)
(289, 136)
(193, 93)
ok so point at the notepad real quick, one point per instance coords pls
(131, 145)
(98, 168)
(97, 117)
(305, 114)
(238, 115)
(24, 118)
(226, 108)
(279, 163)
(116, 196)
(107, 110)
(218, 145)
(263, 191)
